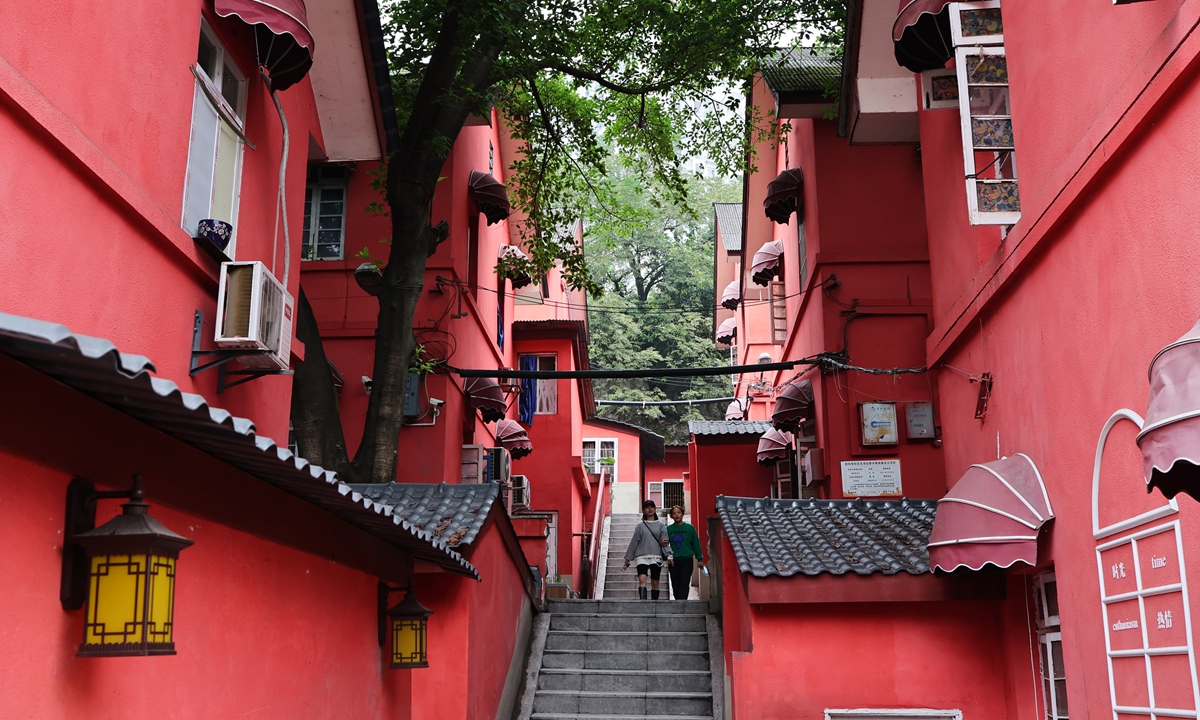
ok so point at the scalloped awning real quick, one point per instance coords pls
(921, 34)
(766, 263)
(514, 438)
(732, 295)
(486, 396)
(727, 332)
(281, 36)
(794, 407)
(773, 446)
(785, 196)
(519, 280)
(992, 516)
(490, 195)
(1170, 437)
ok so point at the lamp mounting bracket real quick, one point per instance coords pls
(81, 517)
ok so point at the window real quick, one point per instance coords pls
(324, 212)
(778, 312)
(598, 453)
(500, 302)
(986, 116)
(214, 165)
(1054, 682)
(491, 158)
(547, 390)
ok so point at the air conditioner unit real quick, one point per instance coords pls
(520, 492)
(474, 465)
(509, 384)
(254, 312)
(498, 464)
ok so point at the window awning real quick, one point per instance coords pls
(732, 295)
(285, 46)
(991, 516)
(1170, 437)
(921, 34)
(490, 195)
(486, 396)
(735, 411)
(785, 196)
(727, 332)
(766, 262)
(794, 407)
(520, 279)
(513, 437)
(773, 446)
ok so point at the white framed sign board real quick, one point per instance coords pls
(879, 426)
(871, 478)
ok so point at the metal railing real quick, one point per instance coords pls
(591, 539)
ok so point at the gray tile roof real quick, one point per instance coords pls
(452, 513)
(728, 427)
(811, 537)
(799, 70)
(126, 383)
(728, 218)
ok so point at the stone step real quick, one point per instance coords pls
(656, 659)
(632, 623)
(625, 680)
(600, 640)
(662, 607)
(623, 703)
(609, 716)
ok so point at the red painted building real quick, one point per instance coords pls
(126, 149)
(980, 338)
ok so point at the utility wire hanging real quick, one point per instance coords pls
(657, 403)
(642, 373)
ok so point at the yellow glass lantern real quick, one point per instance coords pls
(130, 582)
(407, 628)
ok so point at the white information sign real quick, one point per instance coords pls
(871, 478)
(879, 423)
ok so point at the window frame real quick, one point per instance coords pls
(956, 36)
(977, 216)
(1049, 631)
(544, 383)
(596, 443)
(209, 88)
(342, 183)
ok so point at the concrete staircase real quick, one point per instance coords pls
(622, 584)
(624, 660)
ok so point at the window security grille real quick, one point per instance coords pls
(324, 213)
(778, 312)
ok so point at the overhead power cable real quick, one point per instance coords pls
(642, 373)
(656, 403)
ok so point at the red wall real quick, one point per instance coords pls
(721, 465)
(247, 631)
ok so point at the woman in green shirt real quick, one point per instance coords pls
(685, 546)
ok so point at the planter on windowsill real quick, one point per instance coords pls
(213, 236)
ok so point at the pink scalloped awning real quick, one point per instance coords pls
(281, 36)
(773, 446)
(727, 332)
(1170, 437)
(512, 436)
(735, 411)
(490, 195)
(992, 516)
(794, 407)
(486, 396)
(784, 196)
(766, 262)
(519, 280)
(732, 295)
(921, 34)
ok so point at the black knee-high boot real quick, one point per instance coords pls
(653, 594)
(642, 593)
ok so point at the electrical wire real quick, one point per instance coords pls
(656, 403)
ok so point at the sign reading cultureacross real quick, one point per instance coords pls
(879, 426)
(871, 478)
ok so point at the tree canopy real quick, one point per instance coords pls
(654, 81)
(656, 307)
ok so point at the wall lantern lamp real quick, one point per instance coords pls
(124, 571)
(407, 625)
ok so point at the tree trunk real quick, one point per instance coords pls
(316, 423)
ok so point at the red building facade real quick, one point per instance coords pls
(1007, 242)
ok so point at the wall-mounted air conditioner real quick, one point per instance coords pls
(474, 464)
(498, 464)
(254, 312)
(520, 492)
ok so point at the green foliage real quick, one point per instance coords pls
(653, 81)
(421, 362)
(655, 268)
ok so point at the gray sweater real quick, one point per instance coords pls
(647, 537)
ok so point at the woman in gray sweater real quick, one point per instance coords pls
(649, 549)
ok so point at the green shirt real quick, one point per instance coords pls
(684, 541)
